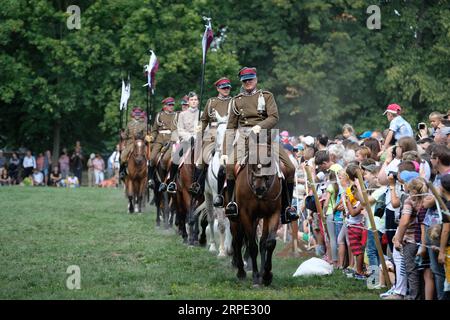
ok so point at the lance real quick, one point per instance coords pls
(206, 42)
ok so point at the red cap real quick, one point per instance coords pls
(393, 108)
(169, 100)
(223, 83)
(137, 112)
(185, 100)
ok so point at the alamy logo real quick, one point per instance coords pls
(74, 280)
(74, 20)
(373, 22)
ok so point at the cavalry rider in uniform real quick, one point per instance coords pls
(255, 109)
(136, 129)
(163, 132)
(208, 119)
(184, 103)
(186, 127)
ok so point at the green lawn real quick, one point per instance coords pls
(45, 230)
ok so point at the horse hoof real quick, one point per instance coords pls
(267, 278)
(241, 275)
(212, 248)
(222, 254)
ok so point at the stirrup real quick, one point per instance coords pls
(195, 188)
(231, 210)
(151, 183)
(162, 187)
(218, 201)
(172, 187)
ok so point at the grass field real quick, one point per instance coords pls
(45, 230)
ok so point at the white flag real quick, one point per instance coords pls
(151, 69)
(126, 90)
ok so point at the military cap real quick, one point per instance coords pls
(247, 73)
(223, 83)
(168, 101)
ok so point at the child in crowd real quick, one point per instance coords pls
(404, 239)
(355, 221)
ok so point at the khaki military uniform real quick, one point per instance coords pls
(210, 123)
(244, 115)
(136, 129)
(163, 131)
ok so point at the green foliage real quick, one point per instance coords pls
(318, 58)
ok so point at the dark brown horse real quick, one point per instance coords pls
(163, 200)
(136, 179)
(187, 204)
(258, 195)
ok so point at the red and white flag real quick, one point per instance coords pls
(150, 70)
(208, 37)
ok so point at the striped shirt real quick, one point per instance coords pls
(410, 208)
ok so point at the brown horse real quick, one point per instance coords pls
(163, 203)
(136, 179)
(187, 204)
(258, 195)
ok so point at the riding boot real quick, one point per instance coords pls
(289, 212)
(231, 210)
(122, 171)
(151, 172)
(172, 187)
(194, 189)
(218, 200)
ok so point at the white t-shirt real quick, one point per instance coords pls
(29, 162)
(38, 177)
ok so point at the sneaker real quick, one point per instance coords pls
(359, 276)
(387, 293)
(348, 272)
(394, 297)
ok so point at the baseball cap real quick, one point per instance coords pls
(393, 108)
(365, 135)
(308, 140)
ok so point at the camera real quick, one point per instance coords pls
(421, 125)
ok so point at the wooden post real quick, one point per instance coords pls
(318, 206)
(373, 227)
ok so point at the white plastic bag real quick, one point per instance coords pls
(314, 266)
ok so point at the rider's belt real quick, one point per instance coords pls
(213, 124)
(165, 131)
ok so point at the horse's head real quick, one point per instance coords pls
(221, 129)
(139, 151)
(261, 166)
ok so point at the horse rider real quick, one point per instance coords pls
(255, 109)
(184, 103)
(186, 129)
(136, 129)
(208, 127)
(162, 133)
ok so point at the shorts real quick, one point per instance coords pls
(343, 235)
(355, 237)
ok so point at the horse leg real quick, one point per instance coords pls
(250, 233)
(166, 211)
(238, 236)
(210, 218)
(270, 247)
(221, 228)
(263, 242)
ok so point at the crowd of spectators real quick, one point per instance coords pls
(396, 166)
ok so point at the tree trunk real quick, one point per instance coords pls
(56, 140)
